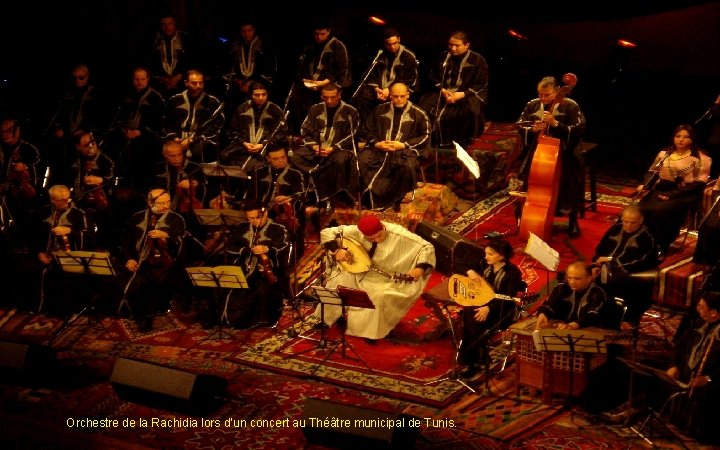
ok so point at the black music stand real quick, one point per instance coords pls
(569, 341)
(223, 218)
(343, 297)
(677, 386)
(433, 301)
(86, 264)
(220, 277)
(215, 169)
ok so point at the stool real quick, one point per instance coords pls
(588, 150)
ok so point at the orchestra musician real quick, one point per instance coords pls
(398, 137)
(697, 363)
(575, 304)
(260, 247)
(401, 261)
(253, 123)
(194, 118)
(330, 134)
(681, 172)
(628, 248)
(19, 184)
(282, 188)
(152, 248)
(564, 121)
(61, 226)
(93, 173)
(479, 323)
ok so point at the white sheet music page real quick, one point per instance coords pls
(542, 252)
(467, 160)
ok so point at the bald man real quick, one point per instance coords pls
(628, 248)
(575, 304)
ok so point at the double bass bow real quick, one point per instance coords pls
(544, 178)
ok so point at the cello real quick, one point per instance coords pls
(544, 178)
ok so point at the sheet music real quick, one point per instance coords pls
(467, 160)
(542, 252)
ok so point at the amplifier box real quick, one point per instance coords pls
(454, 253)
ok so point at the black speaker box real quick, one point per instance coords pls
(352, 427)
(26, 357)
(453, 253)
(167, 387)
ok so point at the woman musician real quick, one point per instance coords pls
(259, 246)
(696, 363)
(479, 324)
(682, 172)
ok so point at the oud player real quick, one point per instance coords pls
(388, 262)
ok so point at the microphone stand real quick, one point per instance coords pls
(436, 124)
(367, 74)
(709, 113)
(652, 181)
(357, 167)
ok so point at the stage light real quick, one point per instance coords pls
(516, 35)
(375, 20)
(626, 44)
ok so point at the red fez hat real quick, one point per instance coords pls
(370, 225)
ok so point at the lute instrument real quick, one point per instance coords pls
(466, 291)
(359, 261)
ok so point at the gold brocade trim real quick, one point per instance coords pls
(689, 289)
(663, 272)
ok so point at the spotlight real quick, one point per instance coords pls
(516, 35)
(626, 44)
(375, 20)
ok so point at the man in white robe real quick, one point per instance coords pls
(393, 252)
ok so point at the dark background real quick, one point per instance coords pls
(633, 98)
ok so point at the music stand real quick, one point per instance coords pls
(87, 264)
(571, 341)
(678, 386)
(343, 297)
(220, 277)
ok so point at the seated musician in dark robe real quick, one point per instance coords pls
(628, 248)
(152, 250)
(481, 323)
(398, 138)
(259, 246)
(575, 304)
(697, 363)
(60, 226)
(282, 189)
(330, 133)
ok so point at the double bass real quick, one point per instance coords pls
(544, 178)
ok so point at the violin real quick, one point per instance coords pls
(158, 255)
(19, 180)
(95, 196)
(187, 201)
(284, 213)
(265, 265)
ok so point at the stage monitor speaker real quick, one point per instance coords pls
(26, 357)
(352, 427)
(146, 382)
(453, 253)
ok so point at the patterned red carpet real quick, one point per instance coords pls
(271, 375)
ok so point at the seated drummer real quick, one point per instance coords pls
(575, 304)
(480, 323)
